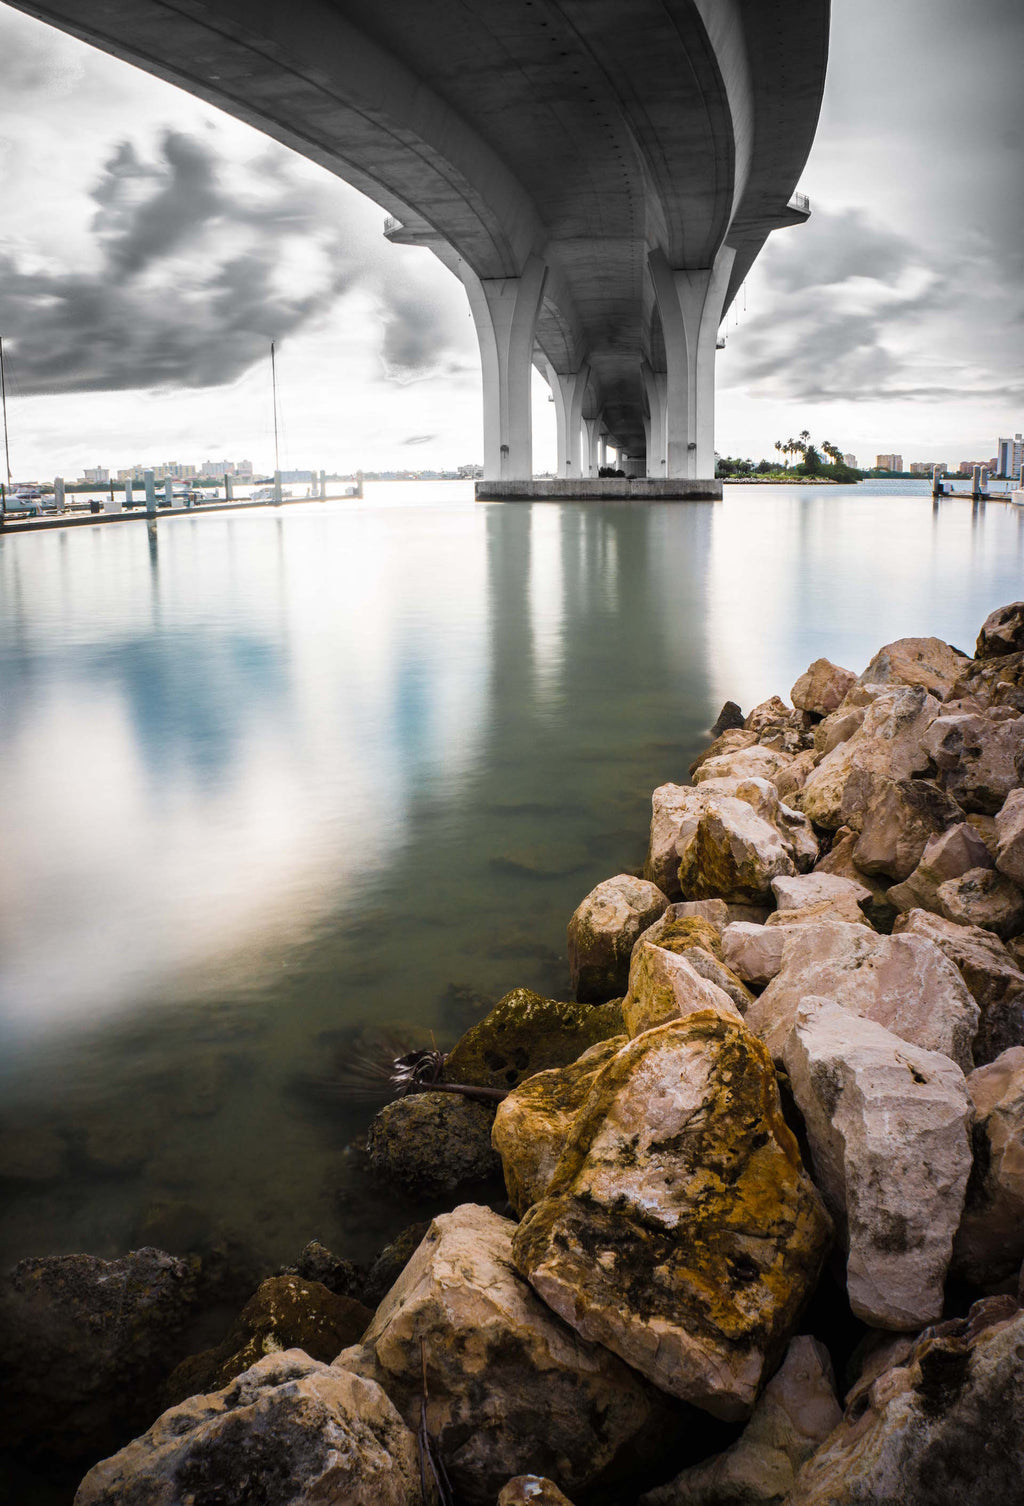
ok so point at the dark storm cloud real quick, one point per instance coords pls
(833, 248)
(187, 290)
(418, 334)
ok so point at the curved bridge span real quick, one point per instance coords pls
(601, 174)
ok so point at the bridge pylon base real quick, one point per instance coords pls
(601, 489)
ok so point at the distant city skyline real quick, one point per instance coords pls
(153, 247)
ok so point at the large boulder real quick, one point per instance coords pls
(889, 1130)
(533, 1123)
(664, 985)
(289, 1431)
(794, 1415)
(816, 888)
(979, 760)
(943, 1428)
(432, 1142)
(678, 809)
(946, 855)
(839, 861)
(733, 854)
(990, 971)
(603, 930)
(730, 740)
(754, 953)
(87, 1343)
(838, 727)
(822, 687)
(509, 1388)
(983, 897)
(680, 1229)
(1002, 632)
(675, 810)
(753, 762)
(895, 829)
(917, 661)
(888, 743)
(990, 1244)
(901, 982)
(699, 941)
(1010, 837)
(287, 1312)
(525, 1033)
(795, 774)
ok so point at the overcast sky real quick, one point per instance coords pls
(150, 247)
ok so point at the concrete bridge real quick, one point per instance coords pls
(601, 174)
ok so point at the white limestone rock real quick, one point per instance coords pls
(888, 743)
(318, 1432)
(917, 661)
(665, 986)
(821, 687)
(901, 982)
(510, 1387)
(732, 853)
(946, 855)
(752, 952)
(602, 931)
(675, 811)
(842, 907)
(983, 897)
(755, 762)
(990, 970)
(990, 1243)
(815, 889)
(889, 1129)
(795, 1414)
(1010, 837)
(980, 760)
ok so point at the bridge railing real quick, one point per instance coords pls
(800, 201)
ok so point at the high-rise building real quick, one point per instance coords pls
(97, 474)
(888, 462)
(1009, 456)
(925, 467)
(851, 461)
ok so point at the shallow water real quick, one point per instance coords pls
(272, 781)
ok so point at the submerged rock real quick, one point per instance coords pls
(287, 1312)
(533, 1123)
(525, 1033)
(990, 1243)
(87, 1344)
(288, 1430)
(794, 1415)
(603, 930)
(509, 1387)
(944, 1428)
(432, 1142)
(680, 1229)
(889, 1130)
(901, 982)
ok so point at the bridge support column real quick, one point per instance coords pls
(568, 390)
(591, 443)
(655, 383)
(505, 311)
(690, 303)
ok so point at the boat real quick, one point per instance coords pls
(267, 494)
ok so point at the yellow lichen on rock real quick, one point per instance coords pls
(680, 1228)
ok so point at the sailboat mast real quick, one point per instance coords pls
(3, 394)
(273, 380)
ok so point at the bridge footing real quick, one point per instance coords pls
(600, 489)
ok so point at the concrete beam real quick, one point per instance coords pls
(691, 303)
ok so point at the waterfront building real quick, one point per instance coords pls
(888, 462)
(851, 461)
(925, 467)
(1009, 456)
(97, 474)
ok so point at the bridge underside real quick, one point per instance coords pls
(600, 175)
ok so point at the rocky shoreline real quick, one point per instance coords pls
(747, 1224)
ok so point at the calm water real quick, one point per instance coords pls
(270, 782)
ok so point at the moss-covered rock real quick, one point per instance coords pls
(433, 1142)
(285, 1313)
(602, 931)
(533, 1124)
(678, 933)
(525, 1033)
(680, 1228)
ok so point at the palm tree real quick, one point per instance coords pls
(804, 442)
